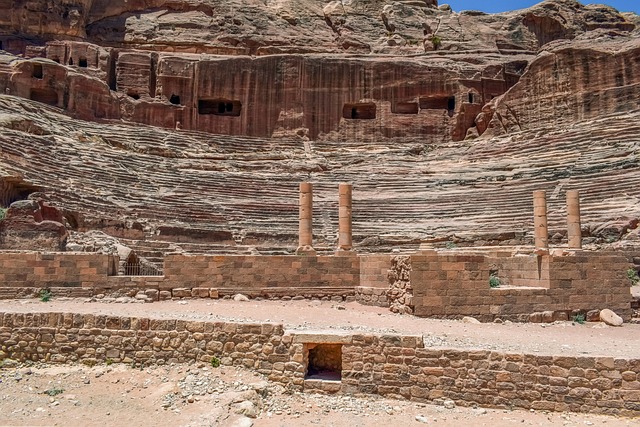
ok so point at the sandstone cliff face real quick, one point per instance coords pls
(389, 95)
(571, 82)
(184, 64)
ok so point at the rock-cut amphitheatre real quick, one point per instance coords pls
(350, 201)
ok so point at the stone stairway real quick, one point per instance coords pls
(405, 192)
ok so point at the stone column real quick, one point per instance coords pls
(306, 218)
(574, 234)
(540, 220)
(345, 242)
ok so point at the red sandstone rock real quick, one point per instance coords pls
(32, 225)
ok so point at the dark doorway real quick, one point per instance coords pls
(324, 362)
(359, 111)
(37, 72)
(219, 107)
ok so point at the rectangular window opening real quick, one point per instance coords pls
(405, 108)
(37, 71)
(359, 111)
(219, 107)
(324, 362)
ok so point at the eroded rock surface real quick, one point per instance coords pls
(444, 122)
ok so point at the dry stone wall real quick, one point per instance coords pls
(388, 365)
(400, 293)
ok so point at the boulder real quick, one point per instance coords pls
(610, 318)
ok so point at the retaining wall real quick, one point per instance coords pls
(388, 365)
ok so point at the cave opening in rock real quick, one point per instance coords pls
(55, 59)
(359, 111)
(133, 95)
(37, 72)
(470, 97)
(324, 362)
(219, 107)
(82, 62)
(175, 100)
(46, 96)
(12, 191)
(70, 61)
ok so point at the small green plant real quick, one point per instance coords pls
(3, 213)
(632, 274)
(494, 281)
(215, 362)
(450, 245)
(45, 295)
(579, 318)
(53, 391)
(108, 362)
(436, 42)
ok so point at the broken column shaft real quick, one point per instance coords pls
(540, 220)
(345, 242)
(574, 234)
(306, 218)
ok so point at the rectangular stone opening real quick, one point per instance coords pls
(219, 107)
(83, 63)
(46, 96)
(37, 71)
(405, 108)
(436, 102)
(324, 362)
(359, 111)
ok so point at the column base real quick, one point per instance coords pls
(306, 250)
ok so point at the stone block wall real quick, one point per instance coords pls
(521, 270)
(45, 270)
(255, 275)
(374, 280)
(374, 271)
(458, 285)
(400, 367)
(393, 366)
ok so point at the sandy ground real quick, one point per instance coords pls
(559, 338)
(120, 395)
(200, 395)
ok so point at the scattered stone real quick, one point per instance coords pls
(422, 419)
(611, 318)
(449, 404)
(242, 422)
(240, 298)
(469, 319)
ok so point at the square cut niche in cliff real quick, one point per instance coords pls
(82, 63)
(46, 96)
(359, 111)
(219, 107)
(324, 362)
(36, 71)
(405, 108)
(174, 99)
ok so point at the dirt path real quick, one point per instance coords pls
(560, 338)
(199, 395)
